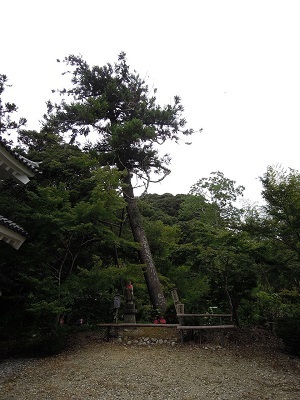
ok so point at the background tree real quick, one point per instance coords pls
(117, 105)
(7, 123)
(222, 193)
(275, 228)
(71, 211)
(281, 224)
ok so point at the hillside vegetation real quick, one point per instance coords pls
(89, 236)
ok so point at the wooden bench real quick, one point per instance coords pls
(202, 328)
(181, 315)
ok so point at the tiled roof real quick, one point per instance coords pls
(12, 226)
(33, 166)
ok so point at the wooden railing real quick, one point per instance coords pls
(207, 324)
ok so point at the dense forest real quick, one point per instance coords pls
(89, 235)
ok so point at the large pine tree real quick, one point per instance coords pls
(117, 104)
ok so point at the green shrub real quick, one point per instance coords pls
(42, 345)
(288, 329)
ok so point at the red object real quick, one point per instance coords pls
(156, 321)
(162, 320)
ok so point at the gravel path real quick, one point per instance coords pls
(100, 370)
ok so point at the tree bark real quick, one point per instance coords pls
(151, 276)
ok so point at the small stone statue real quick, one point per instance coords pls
(129, 307)
(129, 292)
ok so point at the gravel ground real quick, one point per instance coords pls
(100, 370)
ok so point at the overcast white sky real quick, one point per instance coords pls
(234, 63)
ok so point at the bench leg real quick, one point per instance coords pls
(222, 338)
(108, 334)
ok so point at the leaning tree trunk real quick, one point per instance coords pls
(151, 276)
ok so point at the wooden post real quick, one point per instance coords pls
(180, 310)
(175, 296)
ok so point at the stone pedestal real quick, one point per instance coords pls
(129, 313)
